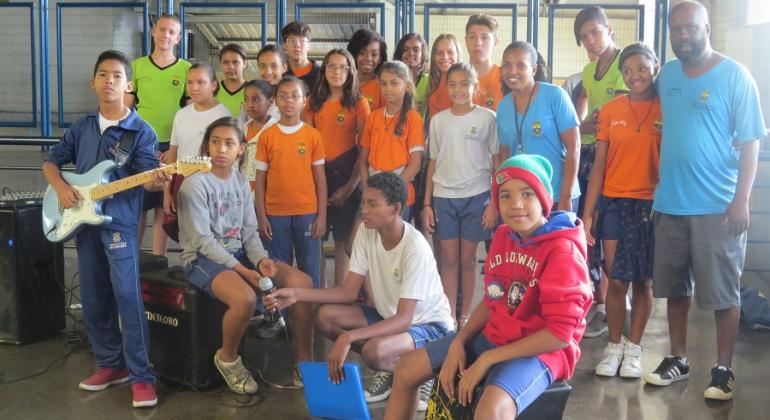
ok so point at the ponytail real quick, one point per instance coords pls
(406, 106)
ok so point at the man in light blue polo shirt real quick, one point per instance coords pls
(712, 124)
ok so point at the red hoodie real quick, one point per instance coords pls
(540, 282)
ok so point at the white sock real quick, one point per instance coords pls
(600, 307)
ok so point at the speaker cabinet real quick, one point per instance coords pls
(31, 278)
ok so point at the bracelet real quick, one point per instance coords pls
(426, 205)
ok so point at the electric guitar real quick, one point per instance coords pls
(60, 224)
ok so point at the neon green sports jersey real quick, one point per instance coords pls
(158, 92)
(601, 91)
(232, 100)
(421, 93)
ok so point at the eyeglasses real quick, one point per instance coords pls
(337, 68)
(295, 40)
(293, 97)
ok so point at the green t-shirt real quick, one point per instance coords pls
(232, 100)
(421, 93)
(158, 92)
(601, 91)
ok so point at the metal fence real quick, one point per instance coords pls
(18, 103)
(84, 29)
(333, 23)
(207, 27)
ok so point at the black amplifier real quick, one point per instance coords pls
(185, 328)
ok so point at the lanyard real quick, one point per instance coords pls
(519, 127)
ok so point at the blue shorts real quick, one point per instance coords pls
(461, 217)
(422, 334)
(628, 221)
(524, 378)
(202, 271)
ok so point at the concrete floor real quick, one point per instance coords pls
(54, 394)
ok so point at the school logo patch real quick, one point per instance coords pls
(490, 101)
(301, 149)
(396, 276)
(175, 82)
(117, 241)
(370, 100)
(704, 96)
(341, 118)
(516, 294)
(500, 179)
(495, 290)
(474, 131)
(658, 124)
(610, 91)
(537, 129)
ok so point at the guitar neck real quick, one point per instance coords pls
(106, 190)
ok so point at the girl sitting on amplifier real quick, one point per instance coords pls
(223, 255)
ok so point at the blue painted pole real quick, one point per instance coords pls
(45, 105)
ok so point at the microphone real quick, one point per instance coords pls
(266, 286)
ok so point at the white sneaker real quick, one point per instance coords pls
(425, 390)
(613, 354)
(632, 361)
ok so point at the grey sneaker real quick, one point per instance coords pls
(236, 375)
(425, 390)
(596, 326)
(380, 386)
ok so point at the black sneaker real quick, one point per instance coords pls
(271, 326)
(671, 369)
(380, 387)
(722, 384)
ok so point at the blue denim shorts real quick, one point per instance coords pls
(460, 218)
(422, 334)
(628, 221)
(523, 378)
(202, 271)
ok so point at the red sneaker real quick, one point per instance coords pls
(144, 395)
(104, 378)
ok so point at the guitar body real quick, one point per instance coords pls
(62, 224)
(94, 187)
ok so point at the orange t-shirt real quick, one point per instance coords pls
(490, 90)
(388, 152)
(288, 160)
(338, 125)
(439, 99)
(299, 73)
(371, 91)
(633, 157)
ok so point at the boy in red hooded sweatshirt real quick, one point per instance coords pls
(524, 335)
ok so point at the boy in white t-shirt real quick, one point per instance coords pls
(394, 264)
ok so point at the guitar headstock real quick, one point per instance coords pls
(191, 165)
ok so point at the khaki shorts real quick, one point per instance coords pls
(698, 252)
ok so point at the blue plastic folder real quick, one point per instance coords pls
(326, 399)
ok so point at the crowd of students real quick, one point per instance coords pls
(358, 147)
